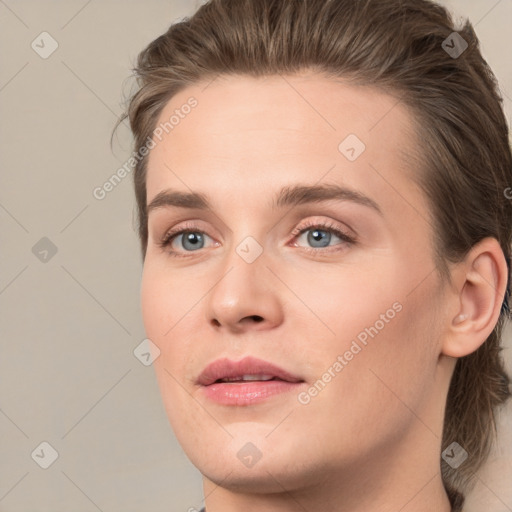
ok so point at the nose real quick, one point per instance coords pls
(246, 296)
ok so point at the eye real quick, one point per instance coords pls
(320, 235)
(190, 237)
(191, 240)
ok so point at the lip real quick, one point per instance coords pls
(226, 368)
(246, 392)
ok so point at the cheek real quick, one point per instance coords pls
(381, 382)
(167, 318)
(339, 303)
(164, 305)
(394, 370)
(384, 334)
(164, 300)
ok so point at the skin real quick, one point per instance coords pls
(371, 439)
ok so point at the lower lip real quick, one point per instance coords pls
(247, 393)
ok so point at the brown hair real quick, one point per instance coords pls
(401, 47)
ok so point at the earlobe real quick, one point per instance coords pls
(480, 281)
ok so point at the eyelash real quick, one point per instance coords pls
(169, 237)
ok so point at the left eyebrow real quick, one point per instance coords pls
(287, 196)
(301, 194)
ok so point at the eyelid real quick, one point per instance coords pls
(326, 224)
(191, 225)
(309, 224)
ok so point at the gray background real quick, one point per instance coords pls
(70, 323)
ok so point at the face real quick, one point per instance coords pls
(331, 287)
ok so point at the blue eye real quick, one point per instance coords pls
(191, 240)
(319, 236)
(194, 238)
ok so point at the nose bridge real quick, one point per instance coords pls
(247, 232)
(244, 267)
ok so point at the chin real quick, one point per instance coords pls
(268, 475)
(247, 482)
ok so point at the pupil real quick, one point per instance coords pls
(194, 239)
(319, 236)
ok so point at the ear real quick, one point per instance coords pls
(479, 285)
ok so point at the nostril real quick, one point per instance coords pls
(255, 318)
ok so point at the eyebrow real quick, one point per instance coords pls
(288, 196)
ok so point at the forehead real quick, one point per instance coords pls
(246, 135)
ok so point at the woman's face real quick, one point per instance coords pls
(348, 307)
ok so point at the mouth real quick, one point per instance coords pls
(248, 378)
(245, 382)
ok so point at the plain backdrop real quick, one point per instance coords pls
(70, 267)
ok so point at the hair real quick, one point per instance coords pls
(464, 164)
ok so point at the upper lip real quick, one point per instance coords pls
(226, 368)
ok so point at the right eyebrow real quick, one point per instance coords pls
(179, 199)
